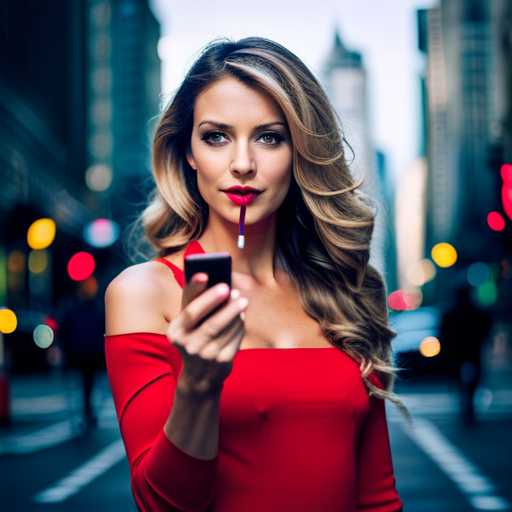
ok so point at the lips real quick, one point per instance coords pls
(242, 195)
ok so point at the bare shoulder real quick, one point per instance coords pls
(142, 298)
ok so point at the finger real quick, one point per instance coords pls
(194, 288)
(204, 304)
(211, 349)
(228, 352)
(214, 327)
(218, 322)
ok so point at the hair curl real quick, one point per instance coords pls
(325, 223)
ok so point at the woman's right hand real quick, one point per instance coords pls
(207, 348)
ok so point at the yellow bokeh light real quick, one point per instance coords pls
(41, 233)
(38, 261)
(8, 321)
(430, 347)
(444, 255)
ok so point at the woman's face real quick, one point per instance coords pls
(240, 139)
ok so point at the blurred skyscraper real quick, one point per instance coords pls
(502, 19)
(345, 81)
(124, 99)
(463, 105)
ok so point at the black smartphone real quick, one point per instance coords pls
(216, 264)
(218, 267)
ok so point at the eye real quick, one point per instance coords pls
(214, 138)
(270, 138)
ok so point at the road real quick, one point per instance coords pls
(440, 465)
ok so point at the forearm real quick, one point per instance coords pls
(193, 424)
(180, 469)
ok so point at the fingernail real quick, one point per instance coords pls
(235, 294)
(223, 289)
(242, 315)
(243, 302)
(200, 278)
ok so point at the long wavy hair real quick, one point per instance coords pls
(325, 223)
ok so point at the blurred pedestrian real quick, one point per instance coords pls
(463, 331)
(82, 324)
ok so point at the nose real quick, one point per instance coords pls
(242, 161)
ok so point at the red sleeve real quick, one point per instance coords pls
(376, 491)
(143, 370)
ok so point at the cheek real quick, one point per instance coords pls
(285, 176)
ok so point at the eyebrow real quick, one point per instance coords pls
(224, 126)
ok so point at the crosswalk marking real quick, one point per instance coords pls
(488, 404)
(56, 433)
(40, 405)
(478, 489)
(38, 440)
(83, 475)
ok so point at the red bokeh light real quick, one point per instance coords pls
(51, 322)
(506, 173)
(400, 300)
(397, 300)
(495, 221)
(81, 266)
(506, 198)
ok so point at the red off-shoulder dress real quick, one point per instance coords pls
(298, 431)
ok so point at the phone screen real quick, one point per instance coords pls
(216, 264)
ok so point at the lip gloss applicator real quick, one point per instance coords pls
(241, 222)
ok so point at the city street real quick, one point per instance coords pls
(439, 464)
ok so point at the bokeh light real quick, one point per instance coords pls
(506, 189)
(478, 274)
(16, 261)
(3, 276)
(89, 288)
(101, 233)
(81, 266)
(506, 173)
(487, 293)
(98, 177)
(430, 347)
(38, 261)
(51, 322)
(401, 300)
(506, 199)
(421, 272)
(43, 336)
(396, 300)
(496, 221)
(8, 321)
(444, 255)
(41, 233)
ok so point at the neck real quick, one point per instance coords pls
(257, 258)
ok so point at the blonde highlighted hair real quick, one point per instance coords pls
(324, 224)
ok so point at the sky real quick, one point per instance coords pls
(383, 31)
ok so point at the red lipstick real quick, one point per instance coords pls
(242, 196)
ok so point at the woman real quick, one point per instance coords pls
(275, 402)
